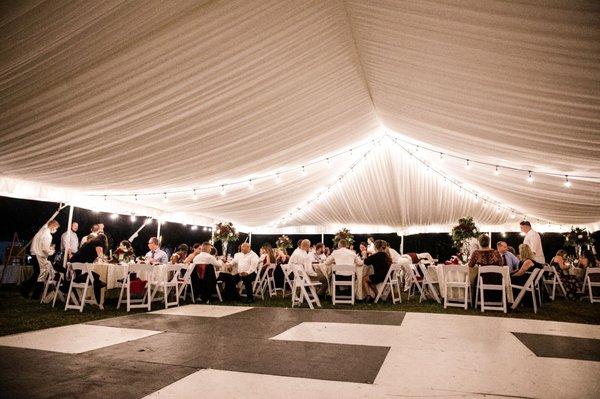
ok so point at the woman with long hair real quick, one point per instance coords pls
(381, 262)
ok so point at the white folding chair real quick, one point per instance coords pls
(164, 279)
(80, 289)
(456, 276)
(551, 281)
(346, 271)
(591, 280)
(287, 271)
(413, 280)
(268, 280)
(537, 284)
(525, 288)
(482, 287)
(51, 281)
(304, 289)
(125, 293)
(428, 282)
(391, 281)
(185, 282)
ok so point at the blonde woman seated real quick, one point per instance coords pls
(526, 265)
(267, 256)
(571, 283)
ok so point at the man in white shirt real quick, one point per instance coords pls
(343, 256)
(156, 256)
(69, 243)
(533, 239)
(41, 248)
(204, 278)
(246, 262)
(301, 257)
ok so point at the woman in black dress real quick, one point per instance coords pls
(571, 283)
(88, 253)
(381, 262)
(526, 266)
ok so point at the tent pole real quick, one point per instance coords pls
(490, 238)
(134, 235)
(323, 238)
(401, 244)
(68, 236)
(250, 239)
(158, 231)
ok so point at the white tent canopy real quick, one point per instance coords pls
(247, 111)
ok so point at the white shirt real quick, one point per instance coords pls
(533, 239)
(344, 256)
(73, 245)
(302, 258)
(246, 263)
(317, 258)
(204, 258)
(40, 245)
(160, 257)
(395, 255)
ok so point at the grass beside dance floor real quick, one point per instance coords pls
(18, 314)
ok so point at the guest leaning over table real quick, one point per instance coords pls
(247, 266)
(41, 248)
(571, 283)
(587, 259)
(196, 249)
(156, 256)
(319, 254)
(381, 263)
(180, 255)
(89, 252)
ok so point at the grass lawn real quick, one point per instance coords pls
(18, 314)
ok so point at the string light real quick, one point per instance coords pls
(441, 157)
(194, 195)
(132, 217)
(303, 172)
(250, 184)
(165, 197)
(277, 178)
(497, 171)
(567, 183)
(468, 165)
(194, 227)
(529, 177)
(114, 216)
(328, 163)
(135, 197)
(476, 198)
(223, 189)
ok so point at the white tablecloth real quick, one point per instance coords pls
(111, 272)
(358, 289)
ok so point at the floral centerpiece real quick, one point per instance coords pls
(343, 234)
(124, 254)
(284, 242)
(463, 234)
(577, 238)
(225, 232)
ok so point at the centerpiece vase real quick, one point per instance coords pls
(224, 247)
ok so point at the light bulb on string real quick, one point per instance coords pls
(277, 178)
(194, 227)
(303, 171)
(194, 195)
(222, 189)
(529, 178)
(165, 197)
(135, 198)
(106, 198)
(442, 159)
(250, 184)
(567, 183)
(468, 165)
(476, 198)
(328, 163)
(497, 171)
(114, 216)
(132, 217)
(498, 209)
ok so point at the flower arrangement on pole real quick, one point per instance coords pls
(225, 232)
(464, 236)
(284, 242)
(343, 234)
(577, 238)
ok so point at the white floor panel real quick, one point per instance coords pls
(343, 333)
(77, 338)
(203, 310)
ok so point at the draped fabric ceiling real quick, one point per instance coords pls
(101, 101)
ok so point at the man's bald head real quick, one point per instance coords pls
(245, 248)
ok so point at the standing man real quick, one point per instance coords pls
(156, 256)
(41, 249)
(71, 246)
(533, 239)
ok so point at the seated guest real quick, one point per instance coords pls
(381, 263)
(343, 255)
(571, 283)
(526, 265)
(281, 257)
(213, 251)
(88, 253)
(363, 250)
(196, 249)
(180, 255)
(486, 255)
(326, 251)
(156, 256)
(508, 258)
(301, 257)
(204, 280)
(587, 259)
(267, 256)
(318, 256)
(371, 246)
(394, 255)
(246, 262)
(511, 250)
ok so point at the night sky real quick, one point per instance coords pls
(25, 217)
